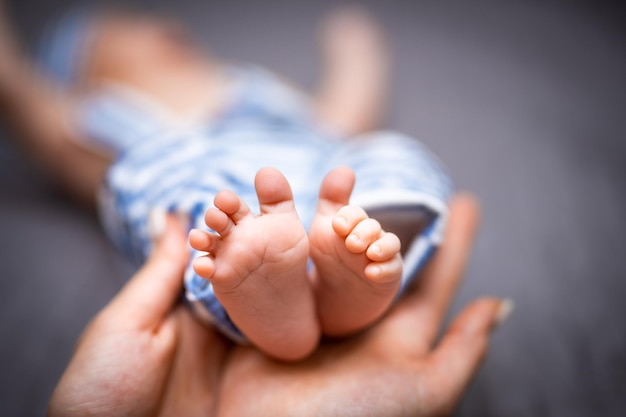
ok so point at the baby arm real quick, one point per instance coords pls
(38, 115)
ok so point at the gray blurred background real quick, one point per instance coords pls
(524, 101)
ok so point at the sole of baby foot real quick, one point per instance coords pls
(257, 265)
(358, 265)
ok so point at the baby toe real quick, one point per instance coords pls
(199, 240)
(346, 218)
(218, 220)
(363, 235)
(231, 204)
(385, 272)
(384, 248)
(204, 266)
(203, 241)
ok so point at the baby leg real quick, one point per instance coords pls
(352, 95)
(258, 267)
(358, 265)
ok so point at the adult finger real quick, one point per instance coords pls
(193, 380)
(454, 362)
(416, 320)
(151, 293)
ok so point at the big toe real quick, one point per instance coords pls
(337, 187)
(273, 191)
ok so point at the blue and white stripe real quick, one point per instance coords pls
(181, 170)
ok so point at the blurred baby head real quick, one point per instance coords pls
(89, 47)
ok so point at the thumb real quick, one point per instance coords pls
(150, 294)
(463, 347)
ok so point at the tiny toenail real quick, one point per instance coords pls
(342, 220)
(354, 238)
(376, 249)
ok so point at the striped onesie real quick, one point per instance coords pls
(181, 169)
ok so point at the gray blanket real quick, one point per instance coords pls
(523, 101)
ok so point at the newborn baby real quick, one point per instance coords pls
(319, 244)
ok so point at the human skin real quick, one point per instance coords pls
(358, 266)
(145, 355)
(155, 56)
(257, 265)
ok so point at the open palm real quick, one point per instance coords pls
(395, 368)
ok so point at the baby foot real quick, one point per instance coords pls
(358, 265)
(258, 267)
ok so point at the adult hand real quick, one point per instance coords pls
(127, 361)
(394, 368)
(142, 356)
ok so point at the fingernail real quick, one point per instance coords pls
(504, 311)
(156, 223)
